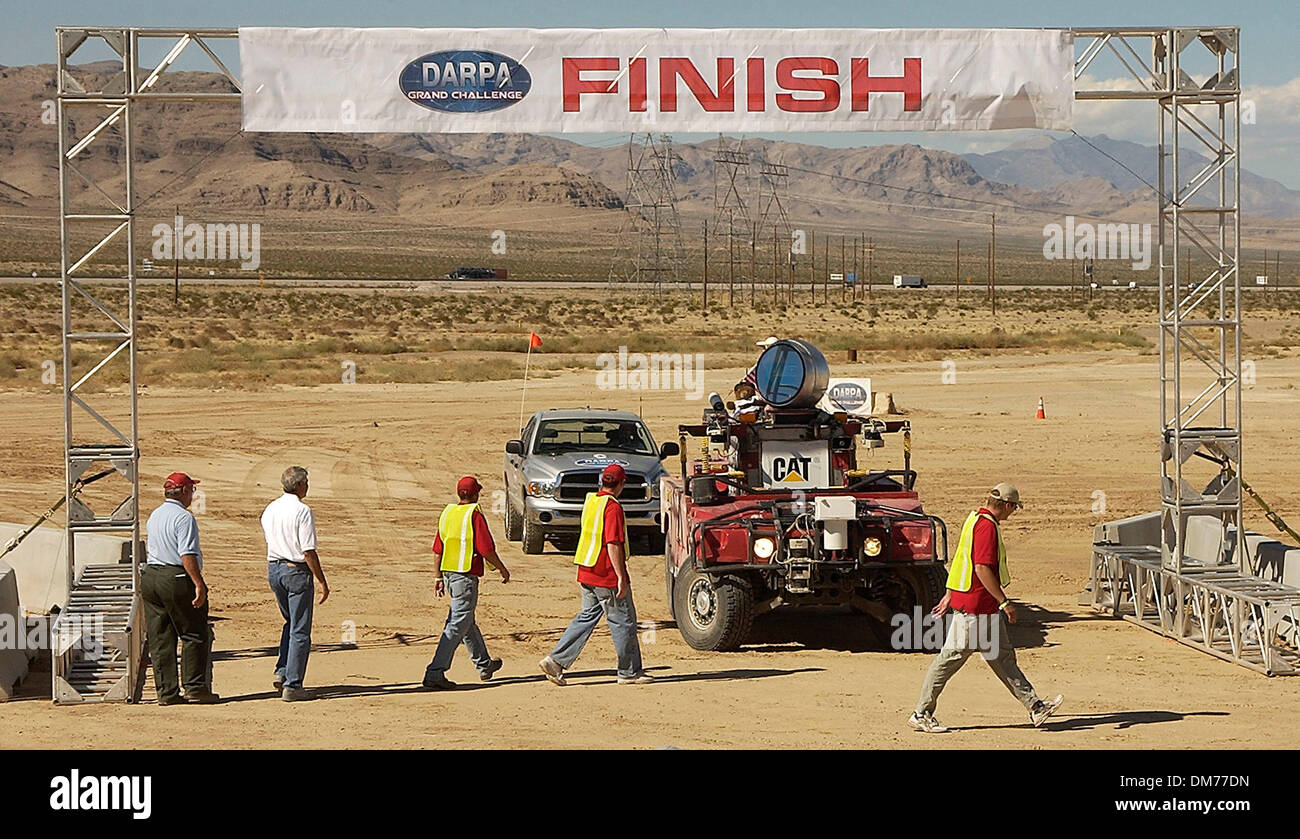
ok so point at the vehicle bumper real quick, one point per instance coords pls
(555, 515)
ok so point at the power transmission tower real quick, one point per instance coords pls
(773, 196)
(659, 254)
(732, 224)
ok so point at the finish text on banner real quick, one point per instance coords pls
(616, 80)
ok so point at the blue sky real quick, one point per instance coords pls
(1270, 65)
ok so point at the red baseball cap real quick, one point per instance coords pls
(612, 474)
(468, 485)
(178, 480)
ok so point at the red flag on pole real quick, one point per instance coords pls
(534, 341)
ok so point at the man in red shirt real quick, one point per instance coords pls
(983, 614)
(606, 588)
(461, 547)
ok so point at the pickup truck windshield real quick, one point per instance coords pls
(555, 436)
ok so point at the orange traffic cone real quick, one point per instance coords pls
(1042, 414)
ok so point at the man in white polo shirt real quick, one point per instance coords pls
(290, 531)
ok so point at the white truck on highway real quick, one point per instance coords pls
(908, 281)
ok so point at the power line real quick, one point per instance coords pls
(1117, 161)
(1038, 211)
(186, 171)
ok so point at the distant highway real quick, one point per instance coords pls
(442, 284)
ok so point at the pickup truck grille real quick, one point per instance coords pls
(574, 486)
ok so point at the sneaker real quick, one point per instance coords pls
(493, 666)
(553, 671)
(926, 722)
(437, 683)
(295, 694)
(277, 681)
(638, 679)
(173, 700)
(202, 697)
(1042, 710)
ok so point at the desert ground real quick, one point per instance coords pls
(384, 454)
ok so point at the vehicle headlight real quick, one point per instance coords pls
(871, 546)
(542, 489)
(654, 489)
(764, 547)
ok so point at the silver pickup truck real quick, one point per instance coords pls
(557, 460)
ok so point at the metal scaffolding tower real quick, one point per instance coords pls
(1199, 585)
(98, 211)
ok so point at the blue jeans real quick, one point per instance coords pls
(621, 617)
(460, 626)
(295, 591)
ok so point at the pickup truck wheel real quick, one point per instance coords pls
(534, 538)
(514, 523)
(713, 612)
(655, 542)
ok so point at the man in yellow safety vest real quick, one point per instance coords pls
(461, 547)
(983, 614)
(606, 588)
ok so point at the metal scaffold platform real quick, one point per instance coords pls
(102, 602)
(99, 211)
(1184, 573)
(1218, 610)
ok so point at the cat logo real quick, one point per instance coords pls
(791, 470)
(788, 464)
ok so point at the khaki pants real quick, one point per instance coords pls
(987, 635)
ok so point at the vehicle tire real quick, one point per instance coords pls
(669, 579)
(565, 542)
(715, 612)
(655, 541)
(929, 584)
(534, 537)
(913, 589)
(514, 523)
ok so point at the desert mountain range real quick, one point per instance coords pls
(195, 156)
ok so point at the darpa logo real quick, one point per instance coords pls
(122, 792)
(848, 395)
(599, 459)
(465, 81)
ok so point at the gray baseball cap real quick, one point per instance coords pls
(1008, 493)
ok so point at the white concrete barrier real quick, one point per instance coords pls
(13, 656)
(1268, 558)
(38, 563)
(1274, 560)
(1142, 529)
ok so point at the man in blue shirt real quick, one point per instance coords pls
(176, 597)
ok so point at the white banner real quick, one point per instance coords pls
(625, 80)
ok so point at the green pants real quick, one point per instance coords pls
(168, 595)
